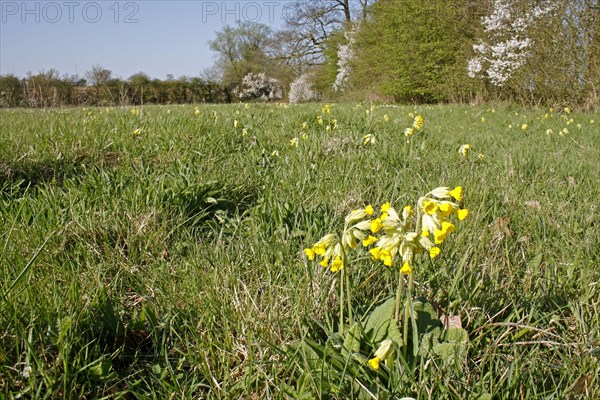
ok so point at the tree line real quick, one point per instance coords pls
(99, 88)
(528, 51)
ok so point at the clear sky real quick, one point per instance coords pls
(158, 37)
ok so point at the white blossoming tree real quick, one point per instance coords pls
(302, 90)
(507, 45)
(259, 87)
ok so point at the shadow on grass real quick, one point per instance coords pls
(18, 177)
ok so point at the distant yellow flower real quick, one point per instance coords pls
(418, 122)
(408, 132)
(236, 123)
(369, 139)
(464, 149)
(369, 210)
(244, 132)
(137, 132)
(294, 142)
(524, 127)
(386, 118)
(482, 119)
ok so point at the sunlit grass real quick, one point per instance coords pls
(160, 252)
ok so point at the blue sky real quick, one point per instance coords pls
(157, 37)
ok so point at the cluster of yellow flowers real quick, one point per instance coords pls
(402, 235)
(417, 126)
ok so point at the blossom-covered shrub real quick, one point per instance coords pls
(345, 57)
(302, 90)
(507, 46)
(259, 87)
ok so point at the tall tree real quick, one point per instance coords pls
(242, 49)
(310, 23)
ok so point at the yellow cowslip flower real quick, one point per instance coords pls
(236, 123)
(408, 132)
(386, 256)
(374, 363)
(369, 240)
(294, 142)
(326, 109)
(418, 122)
(334, 123)
(386, 118)
(324, 263)
(434, 252)
(439, 236)
(448, 227)
(462, 213)
(446, 208)
(197, 111)
(482, 119)
(369, 139)
(385, 207)
(319, 120)
(375, 253)
(384, 352)
(375, 225)
(304, 125)
(275, 153)
(310, 253)
(549, 132)
(564, 132)
(384, 216)
(567, 110)
(337, 264)
(303, 135)
(406, 269)
(425, 233)
(137, 132)
(369, 210)
(244, 132)
(429, 206)
(524, 127)
(457, 193)
(578, 126)
(464, 149)
(407, 210)
(551, 110)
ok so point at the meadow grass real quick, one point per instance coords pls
(158, 253)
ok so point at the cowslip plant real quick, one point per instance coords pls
(397, 239)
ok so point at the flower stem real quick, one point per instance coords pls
(341, 322)
(407, 313)
(399, 294)
(348, 296)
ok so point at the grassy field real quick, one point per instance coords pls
(158, 253)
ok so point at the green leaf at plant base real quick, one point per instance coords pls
(352, 340)
(377, 325)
